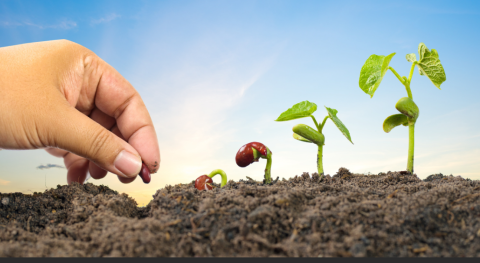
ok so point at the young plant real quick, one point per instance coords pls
(253, 151)
(372, 74)
(308, 134)
(204, 182)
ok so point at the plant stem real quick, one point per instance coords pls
(222, 174)
(411, 142)
(323, 124)
(315, 121)
(407, 87)
(397, 75)
(405, 82)
(411, 72)
(320, 161)
(268, 173)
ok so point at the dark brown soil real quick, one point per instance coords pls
(388, 215)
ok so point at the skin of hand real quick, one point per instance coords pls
(60, 96)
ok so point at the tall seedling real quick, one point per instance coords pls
(375, 68)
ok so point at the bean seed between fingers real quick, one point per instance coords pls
(145, 174)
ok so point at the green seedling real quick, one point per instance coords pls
(372, 74)
(308, 134)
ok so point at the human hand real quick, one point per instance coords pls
(60, 96)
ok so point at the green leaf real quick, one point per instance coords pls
(407, 107)
(299, 110)
(332, 113)
(309, 133)
(393, 121)
(411, 57)
(372, 73)
(430, 66)
(300, 138)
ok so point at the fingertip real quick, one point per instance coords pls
(96, 172)
(126, 180)
(56, 151)
(77, 171)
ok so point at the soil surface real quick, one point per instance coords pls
(386, 215)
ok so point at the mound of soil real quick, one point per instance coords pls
(389, 215)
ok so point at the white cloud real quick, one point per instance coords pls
(61, 25)
(106, 19)
(196, 116)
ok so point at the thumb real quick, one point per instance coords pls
(77, 133)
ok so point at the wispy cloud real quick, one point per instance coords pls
(67, 24)
(106, 19)
(48, 166)
(7, 24)
(3, 182)
(198, 94)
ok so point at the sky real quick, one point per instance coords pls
(214, 76)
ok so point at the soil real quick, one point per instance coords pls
(391, 214)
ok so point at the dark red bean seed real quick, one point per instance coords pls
(145, 174)
(204, 182)
(245, 156)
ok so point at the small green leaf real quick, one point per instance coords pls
(430, 66)
(332, 113)
(407, 107)
(372, 73)
(300, 138)
(299, 110)
(411, 57)
(309, 133)
(393, 121)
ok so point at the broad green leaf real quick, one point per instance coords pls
(407, 107)
(393, 121)
(299, 110)
(309, 133)
(372, 73)
(332, 113)
(300, 138)
(430, 66)
(411, 57)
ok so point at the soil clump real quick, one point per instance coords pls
(392, 214)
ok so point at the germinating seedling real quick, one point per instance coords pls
(308, 134)
(250, 153)
(375, 68)
(205, 182)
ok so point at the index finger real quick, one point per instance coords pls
(116, 97)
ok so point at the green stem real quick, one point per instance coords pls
(397, 75)
(411, 141)
(411, 71)
(320, 161)
(323, 124)
(315, 121)
(222, 174)
(268, 168)
(407, 87)
(404, 81)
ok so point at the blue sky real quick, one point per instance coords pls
(215, 74)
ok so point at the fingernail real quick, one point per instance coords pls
(128, 164)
